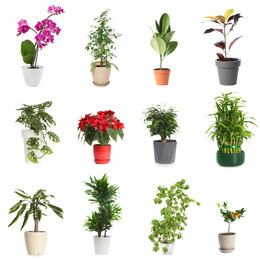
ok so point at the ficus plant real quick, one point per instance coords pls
(227, 23)
(231, 124)
(230, 216)
(174, 218)
(104, 195)
(101, 41)
(33, 205)
(161, 41)
(37, 119)
(162, 122)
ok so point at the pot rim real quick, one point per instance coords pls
(235, 60)
(102, 237)
(231, 153)
(226, 234)
(28, 67)
(100, 145)
(167, 141)
(165, 69)
(38, 232)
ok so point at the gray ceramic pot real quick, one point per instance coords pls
(164, 153)
(228, 71)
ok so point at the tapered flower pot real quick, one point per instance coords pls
(228, 71)
(170, 248)
(227, 242)
(162, 76)
(35, 242)
(227, 159)
(100, 75)
(101, 245)
(164, 153)
(102, 154)
(32, 76)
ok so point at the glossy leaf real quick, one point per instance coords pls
(167, 37)
(219, 18)
(158, 45)
(32, 157)
(170, 48)
(220, 44)
(26, 217)
(46, 150)
(228, 13)
(231, 44)
(112, 133)
(158, 28)
(53, 137)
(164, 23)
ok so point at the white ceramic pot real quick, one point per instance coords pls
(227, 242)
(35, 242)
(100, 75)
(32, 76)
(101, 245)
(170, 248)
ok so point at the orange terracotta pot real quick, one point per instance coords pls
(162, 76)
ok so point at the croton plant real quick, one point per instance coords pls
(227, 22)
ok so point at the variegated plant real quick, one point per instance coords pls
(227, 22)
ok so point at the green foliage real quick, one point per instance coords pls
(105, 195)
(230, 216)
(32, 206)
(162, 122)
(173, 214)
(101, 41)
(37, 119)
(231, 124)
(28, 51)
(161, 41)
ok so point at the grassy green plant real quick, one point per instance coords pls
(37, 119)
(174, 217)
(231, 124)
(101, 41)
(161, 41)
(105, 195)
(230, 216)
(163, 122)
(32, 206)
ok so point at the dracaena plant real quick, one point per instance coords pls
(33, 205)
(162, 122)
(230, 216)
(231, 124)
(227, 23)
(174, 218)
(161, 41)
(44, 30)
(101, 41)
(104, 195)
(37, 119)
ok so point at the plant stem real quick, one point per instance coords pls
(36, 224)
(160, 61)
(228, 228)
(225, 41)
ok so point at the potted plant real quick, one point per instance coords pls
(45, 31)
(227, 240)
(101, 128)
(105, 195)
(102, 46)
(38, 121)
(162, 122)
(227, 67)
(162, 44)
(32, 205)
(164, 232)
(230, 129)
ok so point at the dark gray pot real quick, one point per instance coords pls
(228, 71)
(164, 153)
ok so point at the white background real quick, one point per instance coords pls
(193, 86)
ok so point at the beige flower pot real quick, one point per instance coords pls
(35, 242)
(100, 75)
(170, 248)
(101, 245)
(227, 242)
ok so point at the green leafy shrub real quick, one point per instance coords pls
(174, 217)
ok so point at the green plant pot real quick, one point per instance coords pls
(225, 159)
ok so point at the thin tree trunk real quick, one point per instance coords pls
(36, 225)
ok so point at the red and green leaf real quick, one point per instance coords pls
(220, 44)
(231, 44)
(235, 18)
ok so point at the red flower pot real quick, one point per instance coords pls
(102, 153)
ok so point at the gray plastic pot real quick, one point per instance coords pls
(164, 153)
(228, 71)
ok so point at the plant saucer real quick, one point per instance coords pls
(226, 250)
(101, 85)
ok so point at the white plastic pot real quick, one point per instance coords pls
(35, 242)
(101, 245)
(170, 248)
(32, 76)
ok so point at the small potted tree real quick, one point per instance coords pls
(227, 240)
(37, 120)
(45, 31)
(164, 232)
(162, 122)
(227, 67)
(230, 129)
(101, 128)
(105, 195)
(162, 44)
(102, 46)
(32, 205)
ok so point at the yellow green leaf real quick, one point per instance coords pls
(215, 18)
(228, 13)
(221, 18)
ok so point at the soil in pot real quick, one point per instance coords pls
(227, 242)
(102, 154)
(227, 159)
(164, 153)
(35, 242)
(162, 76)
